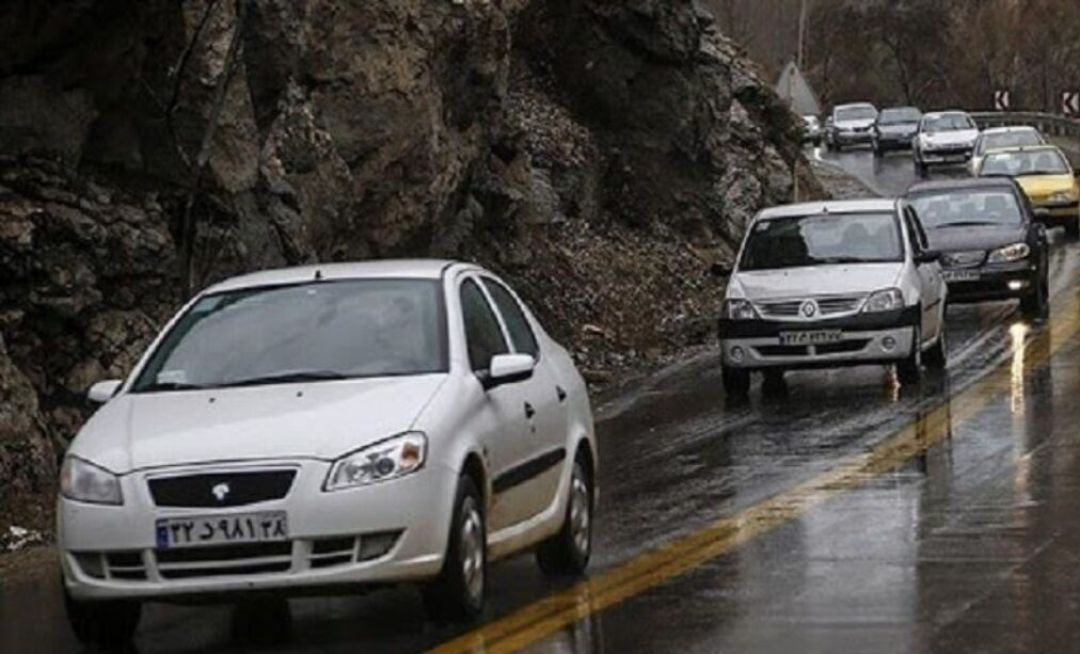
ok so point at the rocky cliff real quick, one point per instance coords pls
(599, 153)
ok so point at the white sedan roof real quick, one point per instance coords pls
(941, 114)
(383, 269)
(1009, 130)
(838, 207)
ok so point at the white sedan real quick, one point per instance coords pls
(944, 138)
(328, 428)
(833, 284)
(1003, 138)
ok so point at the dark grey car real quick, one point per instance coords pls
(895, 128)
(991, 246)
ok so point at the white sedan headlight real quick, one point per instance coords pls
(389, 459)
(85, 482)
(739, 310)
(891, 299)
(1010, 253)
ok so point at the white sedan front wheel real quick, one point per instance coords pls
(458, 593)
(909, 370)
(109, 624)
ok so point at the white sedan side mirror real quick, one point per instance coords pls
(508, 369)
(103, 391)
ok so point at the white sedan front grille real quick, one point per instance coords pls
(824, 307)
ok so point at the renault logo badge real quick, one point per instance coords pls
(809, 309)
(221, 491)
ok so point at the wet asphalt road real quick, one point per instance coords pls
(966, 541)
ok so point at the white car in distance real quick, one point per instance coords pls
(1003, 138)
(834, 284)
(327, 428)
(944, 139)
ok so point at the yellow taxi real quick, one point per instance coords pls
(1047, 177)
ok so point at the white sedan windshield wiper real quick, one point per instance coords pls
(1034, 173)
(165, 386)
(292, 377)
(841, 260)
(966, 223)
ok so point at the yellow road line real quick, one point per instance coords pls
(551, 614)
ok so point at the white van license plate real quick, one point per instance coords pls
(811, 338)
(221, 530)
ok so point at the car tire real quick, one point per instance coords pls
(106, 625)
(566, 554)
(909, 370)
(1036, 305)
(1072, 229)
(937, 357)
(457, 594)
(921, 170)
(736, 382)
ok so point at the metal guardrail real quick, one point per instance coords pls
(1049, 124)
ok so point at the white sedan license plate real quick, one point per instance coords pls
(221, 530)
(961, 275)
(811, 338)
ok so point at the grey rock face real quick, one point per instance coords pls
(600, 154)
(87, 275)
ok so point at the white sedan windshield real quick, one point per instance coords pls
(823, 240)
(307, 332)
(1005, 140)
(856, 113)
(947, 123)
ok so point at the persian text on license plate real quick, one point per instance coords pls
(204, 531)
(961, 275)
(810, 338)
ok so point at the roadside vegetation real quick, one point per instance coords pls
(930, 53)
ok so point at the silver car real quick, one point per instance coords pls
(895, 128)
(850, 124)
(833, 284)
(812, 131)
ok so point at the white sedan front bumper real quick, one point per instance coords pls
(853, 348)
(387, 532)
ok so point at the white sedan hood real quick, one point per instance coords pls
(959, 137)
(864, 123)
(791, 283)
(289, 421)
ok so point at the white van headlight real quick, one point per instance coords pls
(739, 310)
(389, 459)
(891, 299)
(83, 481)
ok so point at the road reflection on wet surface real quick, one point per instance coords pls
(840, 512)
